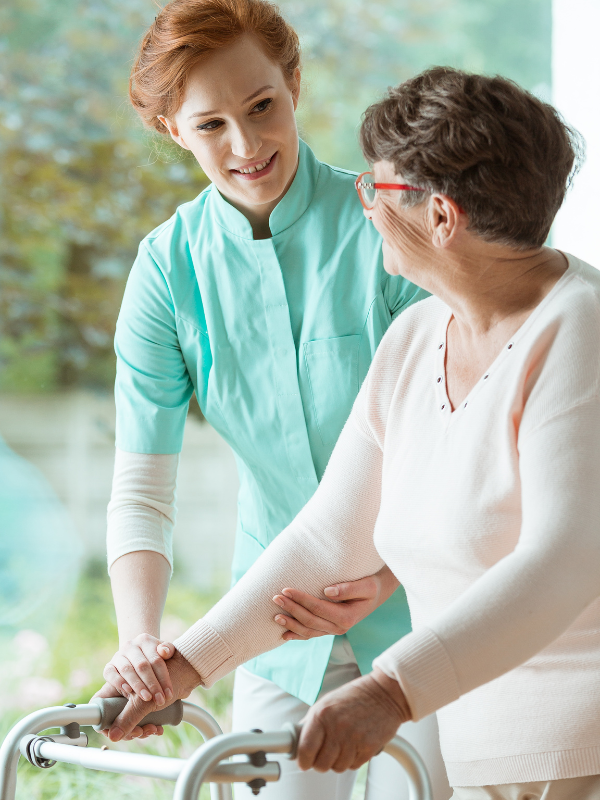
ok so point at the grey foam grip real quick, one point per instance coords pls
(111, 707)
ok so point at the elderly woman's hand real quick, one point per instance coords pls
(350, 725)
(307, 617)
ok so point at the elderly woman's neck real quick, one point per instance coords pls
(491, 294)
(487, 284)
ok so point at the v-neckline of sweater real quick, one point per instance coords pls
(444, 404)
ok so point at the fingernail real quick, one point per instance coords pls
(145, 695)
(331, 591)
(287, 593)
(280, 620)
(169, 694)
(126, 689)
(159, 699)
(115, 734)
(278, 600)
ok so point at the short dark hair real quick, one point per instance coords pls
(503, 155)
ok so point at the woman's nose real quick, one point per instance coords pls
(245, 143)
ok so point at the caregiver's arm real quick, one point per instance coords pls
(331, 540)
(141, 515)
(529, 598)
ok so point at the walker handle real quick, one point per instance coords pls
(111, 707)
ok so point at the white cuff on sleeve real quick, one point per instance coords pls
(206, 651)
(422, 667)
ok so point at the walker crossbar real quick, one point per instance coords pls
(93, 714)
(204, 765)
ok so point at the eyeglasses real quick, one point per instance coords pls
(367, 189)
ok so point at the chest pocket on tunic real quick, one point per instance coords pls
(332, 367)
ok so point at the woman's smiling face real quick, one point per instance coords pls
(237, 118)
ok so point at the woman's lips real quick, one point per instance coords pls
(253, 176)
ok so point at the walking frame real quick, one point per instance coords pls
(208, 764)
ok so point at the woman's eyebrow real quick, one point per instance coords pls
(246, 100)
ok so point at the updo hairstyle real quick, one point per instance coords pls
(187, 30)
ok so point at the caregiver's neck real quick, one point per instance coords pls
(258, 214)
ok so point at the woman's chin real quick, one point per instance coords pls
(258, 195)
(392, 264)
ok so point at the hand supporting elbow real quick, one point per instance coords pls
(307, 617)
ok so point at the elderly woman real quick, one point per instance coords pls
(470, 463)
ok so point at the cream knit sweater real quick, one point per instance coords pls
(490, 518)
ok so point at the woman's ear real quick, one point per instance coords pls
(445, 220)
(173, 130)
(297, 80)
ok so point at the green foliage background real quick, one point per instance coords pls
(85, 643)
(82, 183)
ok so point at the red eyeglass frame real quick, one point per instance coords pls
(398, 186)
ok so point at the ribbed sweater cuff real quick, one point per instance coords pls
(208, 654)
(422, 667)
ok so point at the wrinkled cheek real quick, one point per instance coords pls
(401, 235)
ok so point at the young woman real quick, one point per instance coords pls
(266, 295)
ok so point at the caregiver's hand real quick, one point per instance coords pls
(307, 617)
(138, 668)
(350, 725)
(183, 678)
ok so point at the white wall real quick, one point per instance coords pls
(576, 93)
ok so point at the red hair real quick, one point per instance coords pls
(185, 31)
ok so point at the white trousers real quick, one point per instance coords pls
(587, 788)
(259, 703)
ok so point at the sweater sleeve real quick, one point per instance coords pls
(141, 512)
(529, 598)
(330, 540)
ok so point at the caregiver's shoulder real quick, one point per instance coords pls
(184, 221)
(168, 248)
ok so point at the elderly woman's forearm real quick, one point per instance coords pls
(330, 541)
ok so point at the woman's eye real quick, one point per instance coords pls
(263, 105)
(209, 126)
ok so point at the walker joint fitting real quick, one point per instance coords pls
(257, 759)
(30, 754)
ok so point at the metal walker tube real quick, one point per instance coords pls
(203, 766)
(205, 759)
(202, 763)
(130, 763)
(53, 717)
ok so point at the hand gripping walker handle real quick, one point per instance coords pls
(111, 707)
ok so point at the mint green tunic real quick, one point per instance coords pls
(275, 336)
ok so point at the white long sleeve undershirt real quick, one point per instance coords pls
(141, 513)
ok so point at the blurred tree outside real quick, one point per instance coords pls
(81, 185)
(82, 182)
